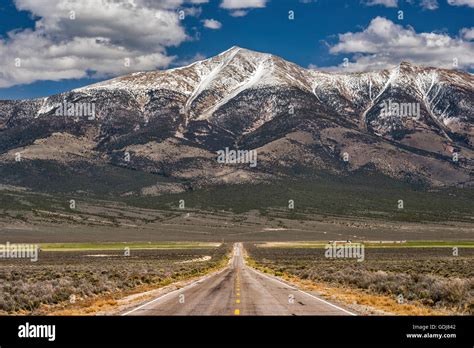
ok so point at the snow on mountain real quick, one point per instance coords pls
(208, 85)
(248, 99)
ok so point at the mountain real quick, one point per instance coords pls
(410, 123)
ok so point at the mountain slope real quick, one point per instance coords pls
(301, 122)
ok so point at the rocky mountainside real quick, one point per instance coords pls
(411, 123)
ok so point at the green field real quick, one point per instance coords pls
(121, 246)
(408, 244)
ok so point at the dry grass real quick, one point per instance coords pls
(372, 303)
(111, 303)
(96, 282)
(430, 280)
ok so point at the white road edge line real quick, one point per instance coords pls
(198, 281)
(304, 292)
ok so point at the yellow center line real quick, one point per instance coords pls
(237, 288)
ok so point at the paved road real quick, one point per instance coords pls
(238, 290)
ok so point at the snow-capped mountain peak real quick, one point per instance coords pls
(250, 99)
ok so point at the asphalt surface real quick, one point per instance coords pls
(238, 290)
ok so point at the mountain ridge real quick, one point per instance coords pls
(299, 120)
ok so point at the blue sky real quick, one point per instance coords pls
(64, 44)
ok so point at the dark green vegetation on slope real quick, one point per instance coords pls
(372, 196)
(94, 180)
(361, 194)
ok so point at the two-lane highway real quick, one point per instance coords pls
(238, 290)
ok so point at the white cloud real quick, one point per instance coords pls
(429, 4)
(239, 8)
(469, 3)
(242, 4)
(212, 24)
(386, 3)
(238, 13)
(73, 38)
(383, 44)
(468, 33)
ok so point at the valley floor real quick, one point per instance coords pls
(412, 278)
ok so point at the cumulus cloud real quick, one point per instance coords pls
(81, 38)
(429, 4)
(468, 33)
(212, 24)
(239, 4)
(238, 13)
(469, 3)
(384, 44)
(239, 8)
(386, 3)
